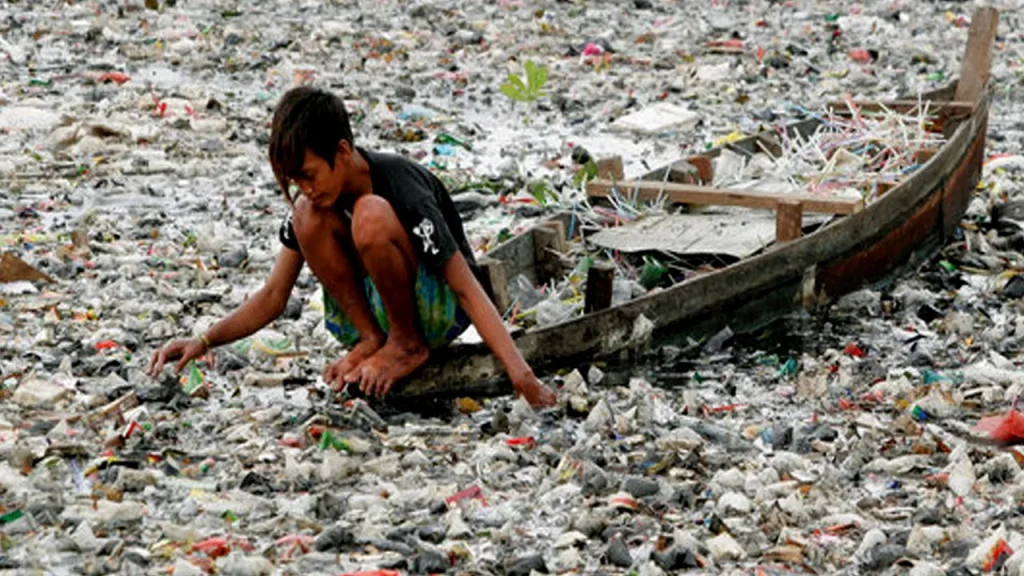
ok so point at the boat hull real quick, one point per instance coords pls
(906, 224)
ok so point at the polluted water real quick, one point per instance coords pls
(137, 206)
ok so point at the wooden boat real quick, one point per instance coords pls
(862, 245)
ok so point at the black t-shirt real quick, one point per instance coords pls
(422, 204)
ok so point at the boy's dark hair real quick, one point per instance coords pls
(306, 118)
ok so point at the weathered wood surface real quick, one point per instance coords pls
(693, 194)
(976, 65)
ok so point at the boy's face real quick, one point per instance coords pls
(318, 182)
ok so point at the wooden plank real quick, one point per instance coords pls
(977, 63)
(691, 194)
(610, 168)
(788, 221)
(904, 106)
(704, 169)
(678, 172)
(495, 282)
(549, 245)
(600, 281)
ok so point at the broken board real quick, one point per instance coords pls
(727, 231)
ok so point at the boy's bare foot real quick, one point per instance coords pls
(390, 364)
(335, 372)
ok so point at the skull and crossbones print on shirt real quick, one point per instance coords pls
(425, 231)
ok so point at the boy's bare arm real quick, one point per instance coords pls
(261, 309)
(264, 306)
(488, 323)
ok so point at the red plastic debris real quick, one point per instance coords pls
(724, 408)
(291, 441)
(117, 77)
(1008, 428)
(860, 55)
(132, 428)
(106, 345)
(213, 547)
(998, 552)
(471, 492)
(523, 441)
(732, 43)
(373, 573)
(221, 546)
(853, 350)
(302, 540)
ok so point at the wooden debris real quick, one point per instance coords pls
(976, 66)
(704, 169)
(678, 172)
(14, 269)
(691, 194)
(549, 244)
(950, 109)
(495, 282)
(610, 168)
(788, 221)
(600, 280)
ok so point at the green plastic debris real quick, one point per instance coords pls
(327, 440)
(931, 377)
(768, 360)
(443, 138)
(195, 379)
(652, 273)
(919, 414)
(831, 17)
(948, 265)
(584, 266)
(39, 82)
(789, 368)
(229, 516)
(11, 516)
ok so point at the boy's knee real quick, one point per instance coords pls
(309, 222)
(374, 222)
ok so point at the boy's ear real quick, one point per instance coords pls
(344, 149)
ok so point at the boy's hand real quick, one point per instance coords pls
(534, 391)
(187, 350)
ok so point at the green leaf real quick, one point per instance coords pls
(517, 82)
(511, 91)
(586, 173)
(540, 191)
(531, 69)
(536, 76)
